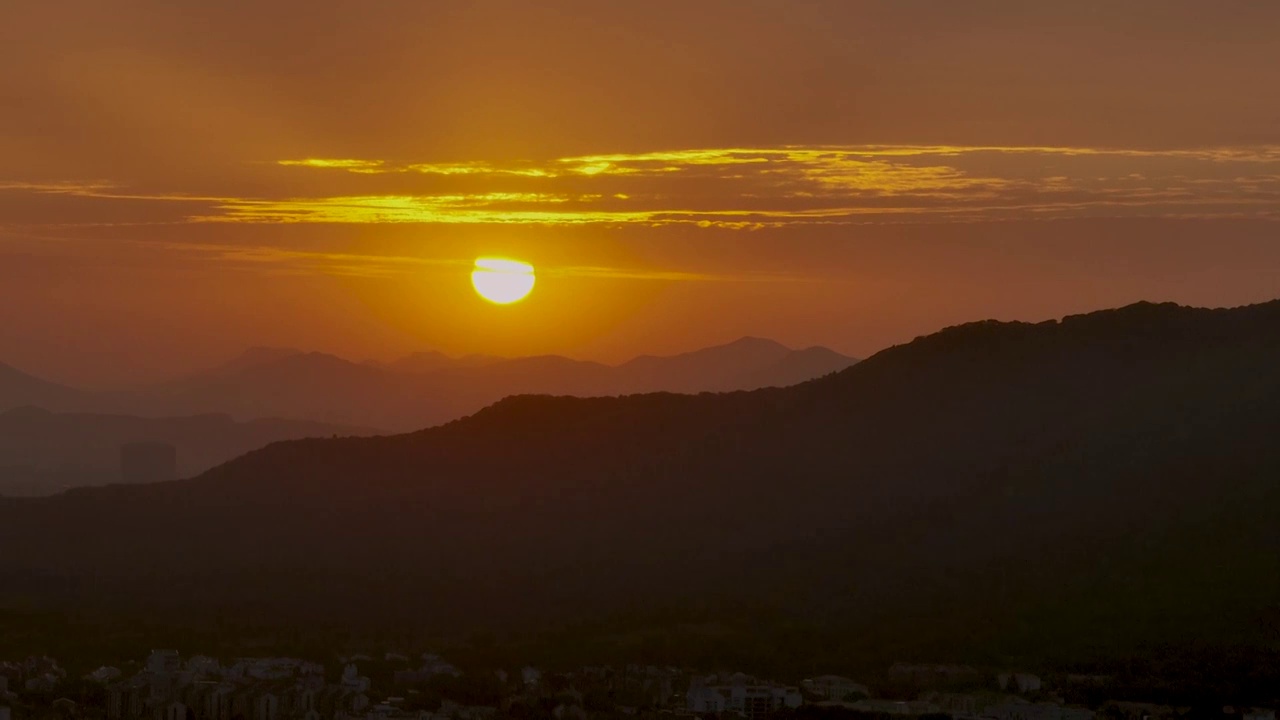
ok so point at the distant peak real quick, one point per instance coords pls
(753, 341)
(316, 359)
(8, 369)
(430, 360)
(259, 355)
(823, 351)
(422, 361)
(265, 352)
(294, 357)
(12, 374)
(26, 411)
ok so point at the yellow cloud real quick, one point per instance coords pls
(379, 167)
(476, 168)
(356, 166)
(752, 188)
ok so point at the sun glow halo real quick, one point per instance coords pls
(502, 281)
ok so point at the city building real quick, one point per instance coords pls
(704, 700)
(933, 676)
(1019, 682)
(834, 687)
(164, 661)
(741, 694)
(104, 674)
(1015, 710)
(893, 707)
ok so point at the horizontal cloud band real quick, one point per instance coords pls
(738, 188)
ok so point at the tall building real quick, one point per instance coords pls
(148, 462)
(164, 661)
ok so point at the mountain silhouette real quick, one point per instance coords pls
(253, 357)
(432, 361)
(42, 453)
(426, 389)
(717, 369)
(796, 367)
(18, 389)
(306, 385)
(1096, 482)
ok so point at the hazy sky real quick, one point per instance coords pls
(180, 180)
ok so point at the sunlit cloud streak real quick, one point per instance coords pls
(744, 188)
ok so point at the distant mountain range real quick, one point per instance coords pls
(18, 389)
(43, 452)
(424, 389)
(1076, 488)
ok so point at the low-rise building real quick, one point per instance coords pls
(1015, 682)
(743, 695)
(164, 661)
(705, 700)
(963, 705)
(893, 707)
(127, 699)
(1138, 711)
(203, 666)
(104, 674)
(174, 711)
(41, 683)
(934, 677)
(835, 687)
(1022, 710)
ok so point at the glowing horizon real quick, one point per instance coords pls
(847, 174)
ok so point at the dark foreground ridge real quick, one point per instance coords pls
(1076, 487)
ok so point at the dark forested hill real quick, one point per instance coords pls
(1104, 480)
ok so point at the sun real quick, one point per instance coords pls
(502, 281)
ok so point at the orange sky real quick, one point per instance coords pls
(179, 181)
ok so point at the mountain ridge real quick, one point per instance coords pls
(19, 389)
(42, 452)
(1009, 485)
(426, 389)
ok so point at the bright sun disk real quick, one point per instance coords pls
(502, 281)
